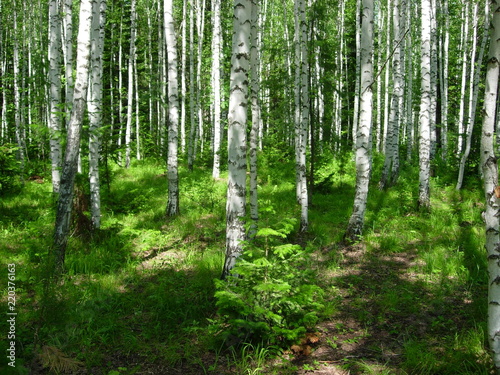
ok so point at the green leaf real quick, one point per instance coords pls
(268, 232)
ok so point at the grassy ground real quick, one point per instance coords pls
(410, 298)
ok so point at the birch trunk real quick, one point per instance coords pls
(68, 55)
(238, 100)
(391, 165)
(94, 106)
(64, 205)
(461, 113)
(192, 108)
(304, 120)
(444, 81)
(490, 172)
(20, 140)
(473, 89)
(256, 119)
(130, 89)
(173, 111)
(183, 74)
(425, 104)
(217, 34)
(363, 138)
(358, 70)
(55, 93)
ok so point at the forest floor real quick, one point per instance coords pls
(138, 297)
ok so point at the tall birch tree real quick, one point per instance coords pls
(64, 205)
(55, 93)
(94, 106)
(425, 104)
(237, 147)
(217, 43)
(491, 190)
(130, 89)
(173, 111)
(363, 137)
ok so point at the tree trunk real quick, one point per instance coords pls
(363, 138)
(425, 139)
(55, 93)
(130, 90)
(490, 172)
(473, 90)
(173, 111)
(238, 101)
(254, 133)
(64, 205)
(94, 106)
(217, 35)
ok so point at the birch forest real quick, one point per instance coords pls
(250, 187)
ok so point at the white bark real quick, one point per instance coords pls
(173, 111)
(391, 165)
(304, 120)
(55, 93)
(444, 80)
(64, 205)
(183, 74)
(192, 88)
(217, 42)
(68, 54)
(94, 106)
(238, 100)
(358, 69)
(363, 138)
(490, 172)
(19, 129)
(461, 113)
(130, 89)
(256, 118)
(425, 104)
(473, 89)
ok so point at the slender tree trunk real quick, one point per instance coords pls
(391, 165)
(217, 35)
(461, 113)
(425, 137)
(304, 120)
(130, 90)
(256, 119)
(363, 138)
(64, 205)
(173, 111)
(358, 67)
(55, 93)
(94, 106)
(20, 140)
(490, 172)
(183, 73)
(444, 80)
(473, 89)
(192, 94)
(238, 100)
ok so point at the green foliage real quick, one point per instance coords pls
(271, 296)
(10, 178)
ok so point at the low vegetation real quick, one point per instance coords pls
(143, 295)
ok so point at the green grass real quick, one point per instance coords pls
(140, 291)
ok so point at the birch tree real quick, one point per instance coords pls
(94, 106)
(473, 89)
(254, 133)
(391, 165)
(237, 148)
(491, 190)
(64, 204)
(217, 35)
(363, 137)
(55, 93)
(130, 89)
(173, 111)
(425, 103)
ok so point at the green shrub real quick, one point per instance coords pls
(10, 179)
(271, 298)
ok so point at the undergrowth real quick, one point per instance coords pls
(140, 295)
